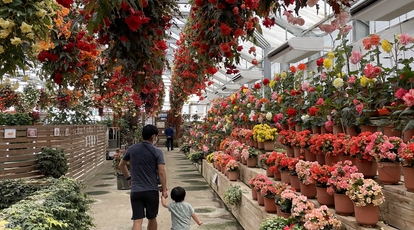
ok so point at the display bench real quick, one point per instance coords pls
(251, 215)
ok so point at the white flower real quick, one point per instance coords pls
(4, 23)
(30, 35)
(249, 105)
(1, 49)
(338, 83)
(304, 117)
(7, 1)
(269, 116)
(16, 41)
(4, 33)
(26, 28)
(41, 13)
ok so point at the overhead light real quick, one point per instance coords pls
(223, 88)
(381, 10)
(236, 77)
(296, 49)
(216, 92)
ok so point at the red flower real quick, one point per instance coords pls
(239, 32)
(224, 47)
(267, 22)
(123, 39)
(57, 78)
(257, 86)
(383, 112)
(266, 81)
(291, 112)
(65, 3)
(199, 2)
(302, 66)
(292, 69)
(212, 70)
(254, 62)
(135, 21)
(319, 62)
(313, 110)
(225, 29)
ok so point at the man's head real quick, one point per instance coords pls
(178, 194)
(148, 132)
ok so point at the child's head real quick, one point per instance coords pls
(178, 194)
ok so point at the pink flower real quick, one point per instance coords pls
(274, 96)
(342, 18)
(351, 80)
(345, 30)
(328, 28)
(320, 101)
(409, 98)
(405, 39)
(323, 76)
(356, 57)
(305, 86)
(359, 108)
(400, 93)
(329, 125)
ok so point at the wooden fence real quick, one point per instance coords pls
(84, 146)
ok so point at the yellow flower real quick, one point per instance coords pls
(364, 81)
(272, 83)
(338, 83)
(331, 55)
(16, 41)
(386, 46)
(15, 86)
(4, 33)
(7, 1)
(340, 74)
(327, 63)
(245, 91)
(41, 13)
(283, 74)
(7, 80)
(276, 75)
(4, 23)
(25, 78)
(30, 35)
(26, 28)
(232, 97)
(1, 49)
(235, 108)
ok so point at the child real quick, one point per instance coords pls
(181, 212)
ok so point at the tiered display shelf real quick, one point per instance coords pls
(398, 210)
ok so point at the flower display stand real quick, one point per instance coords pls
(389, 172)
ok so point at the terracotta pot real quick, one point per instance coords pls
(366, 215)
(268, 172)
(285, 127)
(254, 193)
(368, 168)
(343, 205)
(324, 198)
(260, 145)
(351, 131)
(344, 158)
(278, 212)
(260, 199)
(243, 160)
(409, 178)
(308, 190)
(329, 160)
(338, 129)
(389, 172)
(269, 205)
(295, 183)
(296, 152)
(316, 130)
(408, 135)
(251, 162)
(223, 169)
(289, 151)
(285, 214)
(285, 176)
(367, 128)
(309, 156)
(255, 144)
(277, 175)
(390, 132)
(320, 158)
(324, 130)
(269, 145)
(298, 128)
(233, 176)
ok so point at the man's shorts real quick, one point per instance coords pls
(144, 204)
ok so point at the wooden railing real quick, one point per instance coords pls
(84, 146)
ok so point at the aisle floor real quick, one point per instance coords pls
(112, 210)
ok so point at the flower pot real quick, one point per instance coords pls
(316, 130)
(260, 199)
(390, 132)
(324, 198)
(298, 128)
(233, 176)
(329, 160)
(343, 205)
(408, 135)
(269, 145)
(344, 158)
(285, 127)
(270, 205)
(268, 172)
(409, 178)
(251, 162)
(324, 130)
(254, 194)
(260, 145)
(289, 151)
(295, 183)
(285, 214)
(309, 156)
(277, 175)
(223, 169)
(278, 212)
(366, 215)
(367, 128)
(368, 168)
(338, 129)
(243, 160)
(389, 172)
(320, 158)
(308, 190)
(296, 152)
(351, 131)
(285, 176)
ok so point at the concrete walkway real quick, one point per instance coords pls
(112, 210)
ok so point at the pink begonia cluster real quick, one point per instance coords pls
(268, 189)
(408, 98)
(339, 180)
(303, 170)
(300, 206)
(338, 23)
(232, 166)
(286, 195)
(364, 191)
(383, 149)
(292, 19)
(321, 218)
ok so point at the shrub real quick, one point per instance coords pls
(52, 162)
(233, 195)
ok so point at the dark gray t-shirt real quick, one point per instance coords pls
(144, 165)
(180, 215)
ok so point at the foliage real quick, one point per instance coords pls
(52, 162)
(29, 97)
(185, 148)
(233, 195)
(195, 156)
(117, 158)
(15, 119)
(8, 97)
(14, 190)
(278, 223)
(61, 205)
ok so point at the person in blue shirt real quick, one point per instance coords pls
(169, 133)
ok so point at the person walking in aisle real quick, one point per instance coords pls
(147, 164)
(169, 133)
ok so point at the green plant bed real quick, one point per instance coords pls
(58, 204)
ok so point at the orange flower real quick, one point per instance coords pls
(302, 66)
(383, 111)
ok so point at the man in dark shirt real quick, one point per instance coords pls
(169, 133)
(147, 163)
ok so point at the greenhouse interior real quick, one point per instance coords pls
(269, 114)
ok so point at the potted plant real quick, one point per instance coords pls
(286, 138)
(300, 206)
(277, 223)
(321, 218)
(365, 162)
(258, 178)
(122, 183)
(233, 195)
(265, 135)
(307, 186)
(338, 185)
(250, 154)
(367, 196)
(268, 191)
(232, 168)
(407, 159)
(263, 162)
(320, 175)
(285, 202)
